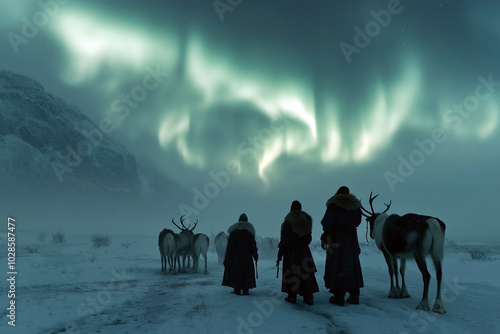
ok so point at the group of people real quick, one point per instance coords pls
(339, 239)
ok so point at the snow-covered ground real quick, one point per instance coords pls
(76, 288)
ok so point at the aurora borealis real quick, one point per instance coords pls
(300, 97)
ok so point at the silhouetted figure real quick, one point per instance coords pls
(342, 269)
(298, 264)
(239, 272)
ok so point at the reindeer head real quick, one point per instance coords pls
(184, 228)
(372, 215)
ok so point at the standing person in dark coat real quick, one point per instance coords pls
(342, 269)
(239, 271)
(298, 264)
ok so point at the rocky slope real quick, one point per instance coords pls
(49, 147)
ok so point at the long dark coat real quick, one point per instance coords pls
(239, 272)
(298, 264)
(342, 267)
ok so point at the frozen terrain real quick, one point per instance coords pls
(76, 288)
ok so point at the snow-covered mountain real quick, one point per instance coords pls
(49, 147)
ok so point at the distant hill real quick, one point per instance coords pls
(48, 147)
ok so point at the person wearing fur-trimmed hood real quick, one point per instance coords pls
(342, 268)
(239, 272)
(298, 264)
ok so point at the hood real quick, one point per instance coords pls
(344, 201)
(242, 225)
(300, 221)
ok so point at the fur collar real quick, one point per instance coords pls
(300, 221)
(344, 201)
(242, 226)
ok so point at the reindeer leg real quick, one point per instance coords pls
(404, 291)
(422, 265)
(205, 257)
(195, 262)
(393, 293)
(395, 266)
(183, 263)
(175, 260)
(438, 305)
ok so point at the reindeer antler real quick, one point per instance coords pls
(369, 214)
(176, 224)
(372, 213)
(183, 228)
(388, 206)
(366, 213)
(195, 223)
(371, 201)
(182, 219)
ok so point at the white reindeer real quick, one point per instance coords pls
(220, 246)
(168, 250)
(200, 246)
(165, 250)
(405, 237)
(269, 247)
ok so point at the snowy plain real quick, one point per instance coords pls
(75, 287)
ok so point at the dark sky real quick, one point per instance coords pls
(301, 97)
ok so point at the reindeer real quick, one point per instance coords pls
(269, 247)
(405, 237)
(160, 247)
(184, 242)
(220, 246)
(166, 248)
(200, 246)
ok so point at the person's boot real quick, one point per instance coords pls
(291, 298)
(338, 298)
(237, 292)
(353, 297)
(245, 292)
(308, 299)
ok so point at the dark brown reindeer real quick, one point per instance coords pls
(405, 237)
(190, 244)
(184, 242)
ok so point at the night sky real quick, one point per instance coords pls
(254, 104)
